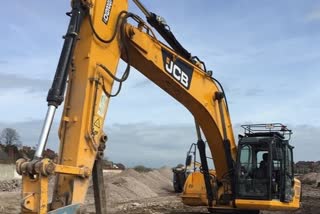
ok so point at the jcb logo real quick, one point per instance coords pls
(107, 10)
(177, 73)
(178, 69)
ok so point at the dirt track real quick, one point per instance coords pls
(147, 193)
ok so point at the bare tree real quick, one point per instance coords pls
(10, 136)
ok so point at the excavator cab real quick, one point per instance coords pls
(265, 163)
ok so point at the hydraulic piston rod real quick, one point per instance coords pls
(56, 93)
(45, 131)
(204, 164)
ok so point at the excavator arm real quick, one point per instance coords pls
(99, 35)
(189, 85)
(192, 87)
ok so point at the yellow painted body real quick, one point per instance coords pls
(199, 99)
(34, 195)
(80, 131)
(194, 194)
(274, 204)
(86, 106)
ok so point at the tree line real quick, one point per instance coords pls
(10, 136)
(11, 145)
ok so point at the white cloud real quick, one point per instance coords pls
(314, 15)
(13, 81)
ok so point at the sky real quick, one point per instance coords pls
(265, 54)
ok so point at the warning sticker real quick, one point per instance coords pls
(97, 123)
(103, 105)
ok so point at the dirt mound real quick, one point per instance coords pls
(126, 189)
(166, 172)
(132, 185)
(312, 178)
(11, 185)
(144, 193)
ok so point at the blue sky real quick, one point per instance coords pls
(266, 55)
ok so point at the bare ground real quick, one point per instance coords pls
(147, 193)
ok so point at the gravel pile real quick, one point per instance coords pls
(11, 185)
(133, 185)
(126, 188)
(312, 178)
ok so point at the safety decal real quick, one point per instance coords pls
(97, 123)
(103, 105)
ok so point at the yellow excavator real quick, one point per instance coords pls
(100, 33)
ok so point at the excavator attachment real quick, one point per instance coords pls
(70, 209)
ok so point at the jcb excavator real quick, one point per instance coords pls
(98, 36)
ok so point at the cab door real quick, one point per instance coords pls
(288, 175)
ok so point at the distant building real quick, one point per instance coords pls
(48, 153)
(4, 158)
(26, 149)
(9, 153)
